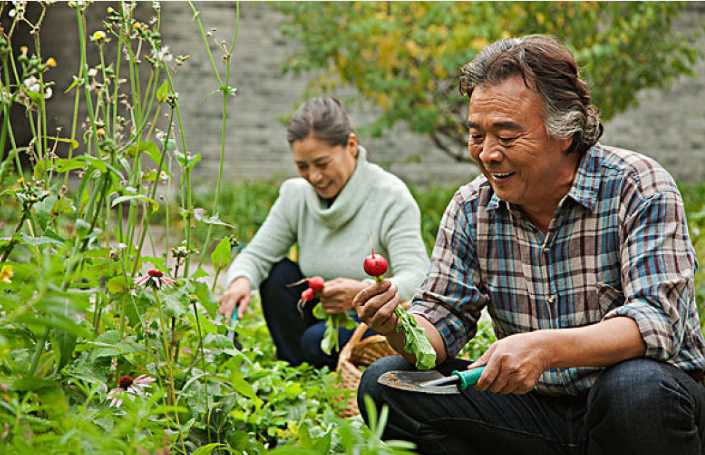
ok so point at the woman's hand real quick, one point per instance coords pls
(237, 295)
(375, 306)
(338, 294)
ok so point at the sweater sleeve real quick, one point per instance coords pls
(401, 235)
(272, 241)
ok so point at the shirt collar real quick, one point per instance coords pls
(585, 185)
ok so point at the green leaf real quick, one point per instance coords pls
(148, 147)
(220, 257)
(163, 94)
(137, 197)
(117, 285)
(199, 273)
(293, 451)
(187, 161)
(36, 241)
(319, 312)
(243, 387)
(30, 384)
(65, 165)
(65, 343)
(415, 340)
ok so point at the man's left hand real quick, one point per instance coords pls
(514, 364)
(338, 294)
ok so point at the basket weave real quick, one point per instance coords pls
(357, 353)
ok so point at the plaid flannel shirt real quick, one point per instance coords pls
(618, 245)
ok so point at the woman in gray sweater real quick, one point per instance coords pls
(340, 208)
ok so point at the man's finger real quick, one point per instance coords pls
(489, 375)
(371, 291)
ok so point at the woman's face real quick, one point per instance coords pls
(326, 167)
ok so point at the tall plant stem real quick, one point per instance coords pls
(227, 92)
(147, 210)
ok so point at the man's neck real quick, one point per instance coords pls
(544, 210)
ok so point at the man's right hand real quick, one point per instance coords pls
(237, 295)
(375, 306)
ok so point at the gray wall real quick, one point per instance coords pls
(668, 125)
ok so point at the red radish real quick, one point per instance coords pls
(375, 265)
(316, 283)
(308, 295)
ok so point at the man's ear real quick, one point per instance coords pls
(571, 144)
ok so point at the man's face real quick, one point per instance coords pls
(509, 141)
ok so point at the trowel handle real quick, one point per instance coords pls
(468, 377)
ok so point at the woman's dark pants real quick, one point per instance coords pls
(638, 407)
(297, 337)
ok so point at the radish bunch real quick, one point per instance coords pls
(330, 340)
(415, 340)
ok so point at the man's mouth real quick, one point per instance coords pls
(500, 176)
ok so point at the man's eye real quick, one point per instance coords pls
(476, 137)
(506, 140)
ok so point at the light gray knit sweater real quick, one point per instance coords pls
(374, 209)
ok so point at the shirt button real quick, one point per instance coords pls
(551, 298)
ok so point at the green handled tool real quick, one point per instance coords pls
(463, 379)
(431, 381)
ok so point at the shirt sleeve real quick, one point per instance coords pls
(658, 265)
(450, 297)
(270, 244)
(403, 242)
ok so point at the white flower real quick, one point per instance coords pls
(162, 55)
(48, 93)
(92, 72)
(128, 385)
(32, 84)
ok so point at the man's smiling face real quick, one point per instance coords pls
(509, 141)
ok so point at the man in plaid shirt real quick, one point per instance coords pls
(580, 253)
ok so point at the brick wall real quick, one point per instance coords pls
(668, 124)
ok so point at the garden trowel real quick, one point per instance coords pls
(431, 381)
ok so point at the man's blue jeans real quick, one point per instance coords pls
(637, 407)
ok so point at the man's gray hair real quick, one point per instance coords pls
(549, 68)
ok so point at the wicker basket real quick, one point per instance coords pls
(357, 353)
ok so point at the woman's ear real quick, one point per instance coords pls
(352, 144)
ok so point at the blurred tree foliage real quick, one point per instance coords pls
(404, 56)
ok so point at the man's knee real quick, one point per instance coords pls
(370, 386)
(639, 397)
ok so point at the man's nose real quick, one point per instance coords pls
(491, 151)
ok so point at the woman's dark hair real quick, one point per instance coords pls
(549, 68)
(325, 118)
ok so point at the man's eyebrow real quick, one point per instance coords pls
(502, 125)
